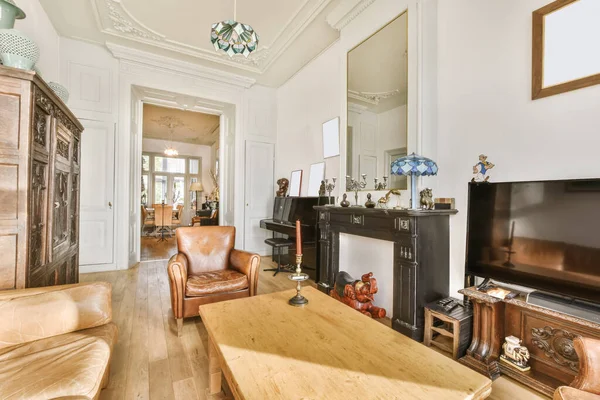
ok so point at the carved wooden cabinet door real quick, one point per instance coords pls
(60, 221)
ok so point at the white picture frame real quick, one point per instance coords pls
(295, 183)
(331, 138)
(316, 175)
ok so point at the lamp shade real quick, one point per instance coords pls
(196, 187)
(414, 165)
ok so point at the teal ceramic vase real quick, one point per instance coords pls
(60, 91)
(17, 50)
(8, 13)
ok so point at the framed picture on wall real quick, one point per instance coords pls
(316, 176)
(295, 183)
(331, 138)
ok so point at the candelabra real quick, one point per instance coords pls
(298, 300)
(381, 185)
(329, 187)
(354, 186)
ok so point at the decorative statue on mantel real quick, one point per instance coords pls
(283, 187)
(515, 354)
(427, 199)
(383, 201)
(357, 294)
(322, 189)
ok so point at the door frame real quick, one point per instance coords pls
(227, 134)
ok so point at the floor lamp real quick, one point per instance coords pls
(196, 187)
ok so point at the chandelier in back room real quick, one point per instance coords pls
(234, 37)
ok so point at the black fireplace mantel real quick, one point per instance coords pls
(421, 255)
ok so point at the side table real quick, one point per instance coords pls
(449, 331)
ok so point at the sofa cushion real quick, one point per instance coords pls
(72, 365)
(212, 282)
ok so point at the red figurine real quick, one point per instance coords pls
(357, 294)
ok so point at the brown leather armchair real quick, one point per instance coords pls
(586, 385)
(208, 269)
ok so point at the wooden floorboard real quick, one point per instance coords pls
(151, 362)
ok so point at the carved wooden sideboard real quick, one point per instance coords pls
(547, 334)
(39, 184)
(421, 255)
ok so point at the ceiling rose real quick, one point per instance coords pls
(234, 37)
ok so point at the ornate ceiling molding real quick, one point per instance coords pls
(178, 67)
(372, 97)
(114, 19)
(346, 11)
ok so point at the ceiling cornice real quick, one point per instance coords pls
(346, 11)
(113, 18)
(372, 97)
(180, 67)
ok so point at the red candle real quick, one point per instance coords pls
(298, 238)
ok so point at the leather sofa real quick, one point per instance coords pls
(586, 385)
(56, 342)
(208, 269)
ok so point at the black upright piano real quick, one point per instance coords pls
(286, 210)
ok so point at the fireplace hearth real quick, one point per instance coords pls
(421, 255)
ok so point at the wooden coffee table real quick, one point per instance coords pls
(268, 349)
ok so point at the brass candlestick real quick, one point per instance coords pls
(298, 300)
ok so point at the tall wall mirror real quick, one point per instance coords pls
(377, 105)
(565, 56)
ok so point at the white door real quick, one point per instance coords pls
(259, 194)
(96, 237)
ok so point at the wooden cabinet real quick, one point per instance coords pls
(39, 191)
(421, 255)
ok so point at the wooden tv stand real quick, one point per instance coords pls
(546, 333)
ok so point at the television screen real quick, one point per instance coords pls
(544, 235)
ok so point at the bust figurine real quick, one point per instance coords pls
(345, 202)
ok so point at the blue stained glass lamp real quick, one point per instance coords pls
(414, 165)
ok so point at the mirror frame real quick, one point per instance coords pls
(344, 159)
(538, 91)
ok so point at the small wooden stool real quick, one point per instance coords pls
(449, 331)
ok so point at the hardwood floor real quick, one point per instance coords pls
(151, 362)
(152, 249)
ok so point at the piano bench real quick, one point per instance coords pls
(278, 244)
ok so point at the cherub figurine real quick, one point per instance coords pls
(481, 168)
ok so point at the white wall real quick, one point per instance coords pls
(186, 149)
(485, 106)
(304, 103)
(38, 27)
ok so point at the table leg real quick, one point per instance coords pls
(214, 369)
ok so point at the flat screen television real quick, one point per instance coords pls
(543, 235)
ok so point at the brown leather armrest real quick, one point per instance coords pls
(569, 393)
(178, 274)
(39, 313)
(246, 263)
(588, 378)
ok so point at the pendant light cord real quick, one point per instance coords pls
(235, 10)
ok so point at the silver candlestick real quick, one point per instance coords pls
(355, 186)
(329, 187)
(381, 185)
(298, 300)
